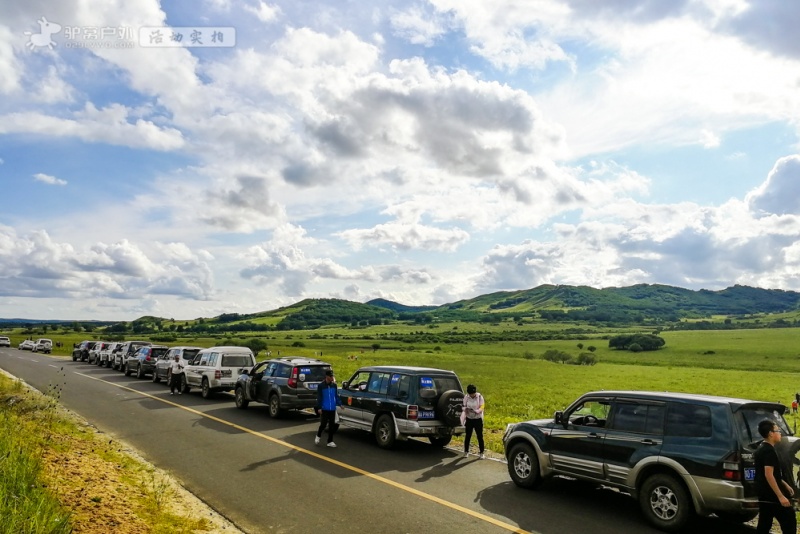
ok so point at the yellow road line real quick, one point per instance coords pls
(418, 493)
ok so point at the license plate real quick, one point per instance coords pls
(312, 386)
(749, 473)
(426, 414)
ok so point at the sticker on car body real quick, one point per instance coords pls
(425, 382)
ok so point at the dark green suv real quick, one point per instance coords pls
(288, 383)
(677, 453)
(395, 403)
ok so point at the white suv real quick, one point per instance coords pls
(43, 345)
(5, 342)
(105, 356)
(216, 369)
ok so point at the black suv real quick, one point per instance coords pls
(81, 350)
(282, 383)
(395, 403)
(676, 453)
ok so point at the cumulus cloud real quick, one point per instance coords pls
(780, 193)
(406, 236)
(47, 179)
(34, 265)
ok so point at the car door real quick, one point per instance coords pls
(193, 372)
(265, 382)
(576, 445)
(374, 400)
(352, 398)
(635, 431)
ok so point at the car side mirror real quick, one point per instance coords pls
(558, 418)
(344, 385)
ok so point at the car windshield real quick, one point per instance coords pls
(236, 360)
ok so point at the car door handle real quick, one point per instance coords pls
(594, 435)
(649, 442)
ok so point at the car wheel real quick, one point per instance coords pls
(665, 502)
(275, 406)
(156, 378)
(440, 442)
(205, 389)
(108, 363)
(449, 406)
(184, 385)
(384, 432)
(241, 402)
(74, 358)
(523, 466)
(139, 371)
(127, 370)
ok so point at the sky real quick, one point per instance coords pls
(187, 159)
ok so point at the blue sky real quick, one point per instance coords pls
(422, 152)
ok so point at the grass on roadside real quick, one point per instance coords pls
(57, 475)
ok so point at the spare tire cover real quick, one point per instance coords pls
(449, 406)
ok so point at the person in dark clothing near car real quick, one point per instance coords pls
(175, 375)
(773, 490)
(327, 403)
(472, 415)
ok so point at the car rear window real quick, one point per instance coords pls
(314, 373)
(158, 352)
(749, 416)
(236, 360)
(439, 383)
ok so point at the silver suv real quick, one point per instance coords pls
(678, 454)
(43, 345)
(216, 369)
(106, 355)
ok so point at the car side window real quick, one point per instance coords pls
(688, 420)
(358, 382)
(378, 383)
(203, 359)
(638, 417)
(270, 370)
(283, 371)
(399, 386)
(592, 412)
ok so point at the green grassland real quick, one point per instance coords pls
(761, 364)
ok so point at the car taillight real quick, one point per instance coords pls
(412, 412)
(217, 374)
(293, 378)
(732, 467)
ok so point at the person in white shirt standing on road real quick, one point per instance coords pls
(473, 418)
(175, 375)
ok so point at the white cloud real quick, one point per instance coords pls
(264, 12)
(47, 179)
(780, 193)
(417, 26)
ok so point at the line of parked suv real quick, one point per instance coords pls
(677, 454)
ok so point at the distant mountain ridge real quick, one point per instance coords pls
(550, 302)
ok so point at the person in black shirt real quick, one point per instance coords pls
(773, 490)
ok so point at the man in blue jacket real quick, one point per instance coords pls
(327, 403)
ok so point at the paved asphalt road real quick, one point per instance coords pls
(266, 475)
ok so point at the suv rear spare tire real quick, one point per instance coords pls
(449, 406)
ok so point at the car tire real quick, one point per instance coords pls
(185, 388)
(156, 378)
(523, 466)
(241, 402)
(449, 406)
(275, 410)
(127, 369)
(108, 363)
(139, 371)
(384, 432)
(665, 502)
(74, 358)
(205, 390)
